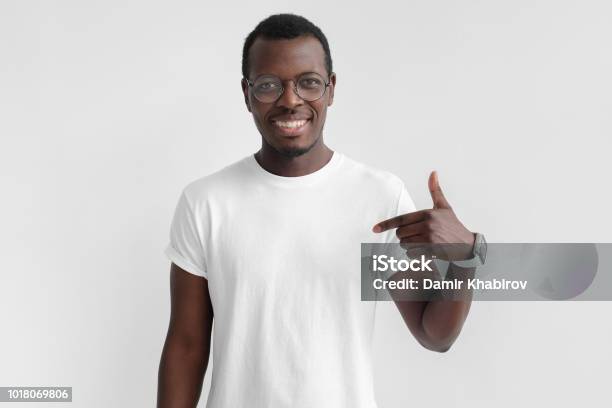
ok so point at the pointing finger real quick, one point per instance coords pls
(399, 220)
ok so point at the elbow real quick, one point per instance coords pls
(441, 349)
(437, 347)
(439, 341)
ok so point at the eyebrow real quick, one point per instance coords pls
(297, 76)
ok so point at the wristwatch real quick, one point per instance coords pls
(479, 254)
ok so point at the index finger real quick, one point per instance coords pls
(399, 220)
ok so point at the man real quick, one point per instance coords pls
(270, 247)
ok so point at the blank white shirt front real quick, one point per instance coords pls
(282, 259)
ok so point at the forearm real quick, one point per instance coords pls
(435, 317)
(446, 311)
(181, 372)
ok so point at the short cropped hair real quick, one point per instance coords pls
(284, 26)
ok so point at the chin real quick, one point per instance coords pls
(294, 147)
(293, 152)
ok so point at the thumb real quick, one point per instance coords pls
(437, 196)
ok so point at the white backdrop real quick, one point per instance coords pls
(107, 109)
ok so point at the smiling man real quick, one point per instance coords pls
(269, 249)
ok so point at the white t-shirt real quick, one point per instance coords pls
(282, 257)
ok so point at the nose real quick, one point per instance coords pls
(289, 98)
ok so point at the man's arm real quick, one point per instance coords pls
(437, 322)
(184, 358)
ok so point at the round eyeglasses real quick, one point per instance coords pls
(269, 88)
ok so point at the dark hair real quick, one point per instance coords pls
(284, 26)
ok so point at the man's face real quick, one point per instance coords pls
(288, 59)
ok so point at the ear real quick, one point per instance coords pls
(245, 92)
(332, 86)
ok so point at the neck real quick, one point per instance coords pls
(281, 165)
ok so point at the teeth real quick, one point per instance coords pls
(290, 124)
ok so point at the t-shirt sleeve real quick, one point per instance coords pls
(185, 248)
(404, 205)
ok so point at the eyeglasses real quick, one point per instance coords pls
(269, 88)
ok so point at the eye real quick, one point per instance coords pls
(266, 86)
(311, 82)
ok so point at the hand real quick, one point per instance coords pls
(439, 226)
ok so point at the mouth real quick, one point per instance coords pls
(291, 127)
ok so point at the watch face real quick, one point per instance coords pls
(482, 248)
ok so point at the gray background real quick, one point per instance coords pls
(107, 109)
